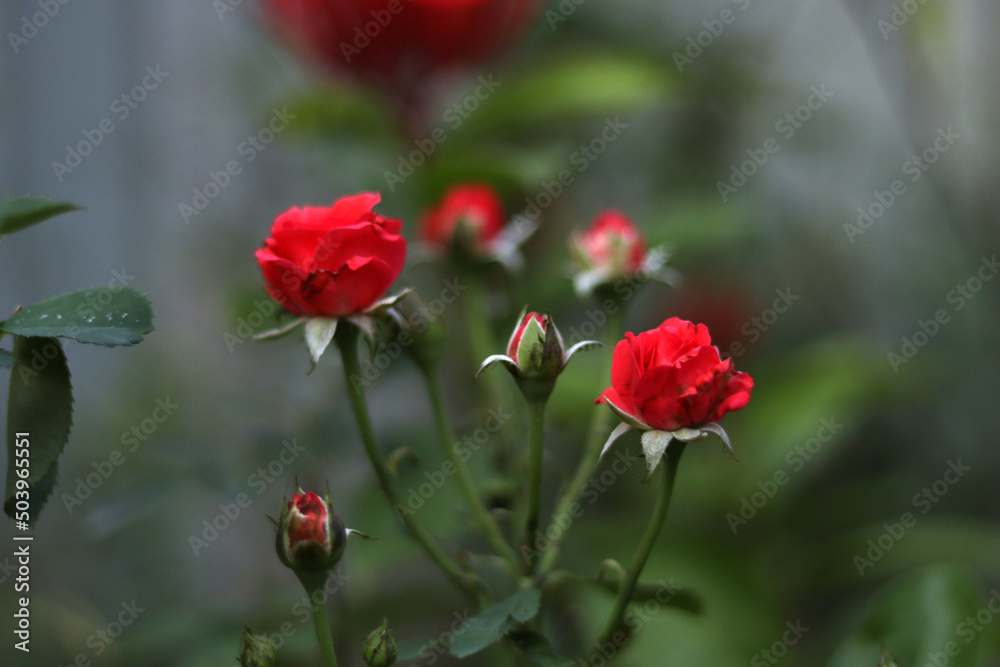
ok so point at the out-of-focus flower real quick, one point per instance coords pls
(613, 249)
(472, 215)
(470, 222)
(671, 383)
(398, 44)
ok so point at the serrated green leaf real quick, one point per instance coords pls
(6, 359)
(40, 405)
(17, 213)
(490, 625)
(915, 615)
(103, 316)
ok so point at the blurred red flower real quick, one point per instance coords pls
(472, 214)
(398, 43)
(612, 246)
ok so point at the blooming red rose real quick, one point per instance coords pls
(332, 261)
(612, 246)
(672, 377)
(399, 42)
(311, 536)
(472, 212)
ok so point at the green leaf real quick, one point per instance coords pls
(104, 316)
(6, 359)
(576, 86)
(915, 615)
(488, 626)
(16, 213)
(40, 405)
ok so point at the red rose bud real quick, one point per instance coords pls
(537, 348)
(536, 354)
(311, 535)
(335, 261)
(671, 382)
(612, 249)
(380, 648)
(470, 216)
(399, 44)
(257, 650)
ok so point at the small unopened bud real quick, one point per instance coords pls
(536, 355)
(380, 646)
(537, 347)
(311, 535)
(257, 650)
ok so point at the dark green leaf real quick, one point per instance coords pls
(916, 615)
(491, 624)
(6, 359)
(40, 407)
(19, 212)
(105, 316)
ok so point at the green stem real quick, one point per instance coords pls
(320, 621)
(536, 451)
(600, 424)
(494, 392)
(347, 340)
(634, 571)
(484, 520)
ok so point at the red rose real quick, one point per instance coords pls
(399, 42)
(332, 261)
(672, 377)
(612, 246)
(311, 536)
(473, 212)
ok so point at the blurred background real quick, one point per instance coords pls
(824, 173)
